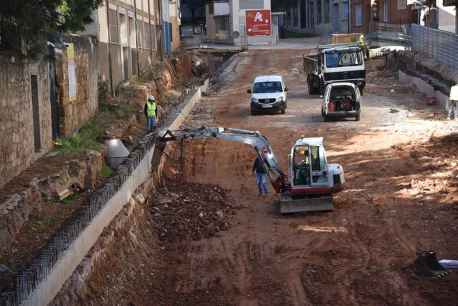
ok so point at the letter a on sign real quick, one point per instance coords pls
(258, 23)
(258, 17)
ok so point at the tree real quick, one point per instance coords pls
(24, 24)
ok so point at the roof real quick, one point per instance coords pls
(336, 84)
(309, 141)
(268, 78)
(339, 46)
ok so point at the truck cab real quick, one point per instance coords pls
(335, 63)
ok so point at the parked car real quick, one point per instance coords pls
(268, 93)
(341, 100)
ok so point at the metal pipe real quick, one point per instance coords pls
(110, 69)
(136, 37)
(150, 32)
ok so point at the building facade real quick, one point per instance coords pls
(318, 16)
(131, 34)
(380, 15)
(225, 21)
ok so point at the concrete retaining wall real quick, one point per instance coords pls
(76, 252)
(424, 87)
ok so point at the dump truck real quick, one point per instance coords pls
(335, 63)
(310, 181)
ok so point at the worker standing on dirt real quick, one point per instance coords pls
(150, 113)
(260, 170)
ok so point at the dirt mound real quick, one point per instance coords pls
(191, 211)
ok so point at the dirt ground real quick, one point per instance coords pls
(401, 196)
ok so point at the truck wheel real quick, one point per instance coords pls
(357, 117)
(253, 113)
(283, 110)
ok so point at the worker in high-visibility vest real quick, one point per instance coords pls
(363, 46)
(151, 113)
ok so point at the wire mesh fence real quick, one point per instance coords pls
(42, 265)
(440, 45)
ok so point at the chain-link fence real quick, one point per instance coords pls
(43, 264)
(440, 45)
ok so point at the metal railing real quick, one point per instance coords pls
(439, 45)
(28, 279)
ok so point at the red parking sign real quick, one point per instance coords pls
(259, 23)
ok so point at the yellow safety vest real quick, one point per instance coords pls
(151, 109)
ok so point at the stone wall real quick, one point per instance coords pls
(77, 111)
(17, 141)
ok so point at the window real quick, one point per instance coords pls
(114, 30)
(251, 4)
(123, 29)
(385, 11)
(267, 87)
(318, 11)
(131, 32)
(358, 15)
(222, 23)
(341, 93)
(316, 164)
(326, 11)
(211, 8)
(336, 59)
(35, 113)
(345, 13)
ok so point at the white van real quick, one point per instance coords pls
(268, 93)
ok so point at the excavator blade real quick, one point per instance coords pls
(288, 205)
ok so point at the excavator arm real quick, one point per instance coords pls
(255, 139)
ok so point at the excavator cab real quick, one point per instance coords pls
(312, 182)
(308, 166)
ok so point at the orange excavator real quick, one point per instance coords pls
(310, 181)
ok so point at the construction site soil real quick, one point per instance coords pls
(206, 238)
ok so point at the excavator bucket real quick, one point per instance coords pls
(288, 205)
(427, 265)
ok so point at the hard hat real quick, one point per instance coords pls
(151, 98)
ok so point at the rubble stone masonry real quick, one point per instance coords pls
(17, 142)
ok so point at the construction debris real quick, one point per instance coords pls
(191, 211)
